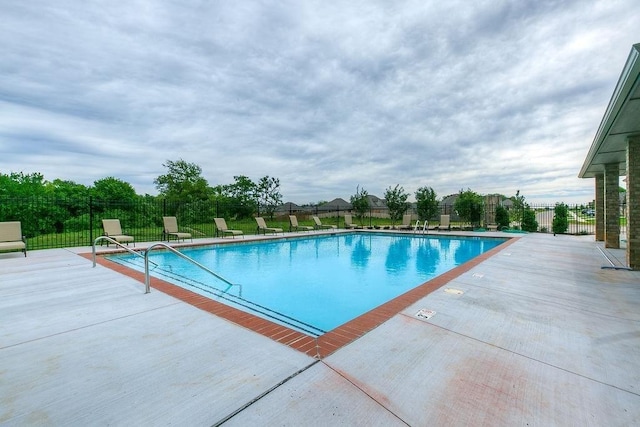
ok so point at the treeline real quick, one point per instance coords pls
(55, 206)
(58, 205)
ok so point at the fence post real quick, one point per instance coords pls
(90, 220)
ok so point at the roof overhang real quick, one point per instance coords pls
(621, 120)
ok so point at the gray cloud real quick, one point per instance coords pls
(492, 96)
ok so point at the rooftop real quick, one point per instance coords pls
(539, 333)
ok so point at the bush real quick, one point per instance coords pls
(529, 222)
(502, 218)
(560, 219)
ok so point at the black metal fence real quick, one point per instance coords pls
(57, 223)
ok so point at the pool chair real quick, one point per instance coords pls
(445, 223)
(221, 227)
(11, 238)
(262, 227)
(320, 225)
(348, 222)
(171, 229)
(113, 230)
(406, 222)
(297, 227)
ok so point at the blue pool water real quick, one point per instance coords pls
(317, 283)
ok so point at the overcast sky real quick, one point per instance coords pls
(495, 96)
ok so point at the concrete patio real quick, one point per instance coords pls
(539, 334)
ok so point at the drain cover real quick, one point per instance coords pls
(454, 291)
(426, 314)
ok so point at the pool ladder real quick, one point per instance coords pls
(147, 280)
(425, 227)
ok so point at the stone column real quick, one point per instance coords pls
(611, 205)
(633, 202)
(599, 207)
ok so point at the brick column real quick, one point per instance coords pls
(599, 207)
(633, 202)
(611, 205)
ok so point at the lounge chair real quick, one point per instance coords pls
(348, 222)
(444, 222)
(221, 227)
(406, 223)
(11, 238)
(320, 225)
(171, 229)
(113, 230)
(262, 227)
(297, 227)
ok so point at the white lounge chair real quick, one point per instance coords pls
(444, 222)
(171, 229)
(11, 238)
(348, 222)
(320, 225)
(262, 227)
(113, 230)
(406, 222)
(297, 227)
(221, 227)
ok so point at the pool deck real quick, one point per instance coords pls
(537, 334)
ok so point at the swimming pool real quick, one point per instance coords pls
(314, 284)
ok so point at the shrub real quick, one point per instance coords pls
(502, 218)
(560, 219)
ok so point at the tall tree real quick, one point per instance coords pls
(426, 203)
(237, 199)
(469, 207)
(560, 222)
(111, 188)
(396, 199)
(182, 182)
(360, 203)
(268, 194)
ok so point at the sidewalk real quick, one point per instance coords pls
(538, 334)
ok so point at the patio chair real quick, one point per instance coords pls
(11, 238)
(406, 222)
(319, 225)
(297, 227)
(221, 227)
(262, 227)
(113, 230)
(171, 229)
(444, 223)
(348, 222)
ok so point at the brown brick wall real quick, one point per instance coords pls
(633, 202)
(612, 205)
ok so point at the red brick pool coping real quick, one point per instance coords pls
(325, 344)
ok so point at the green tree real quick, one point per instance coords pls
(502, 217)
(111, 188)
(427, 203)
(183, 182)
(560, 219)
(469, 207)
(268, 194)
(529, 222)
(523, 213)
(396, 199)
(237, 199)
(360, 203)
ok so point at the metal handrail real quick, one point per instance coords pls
(109, 239)
(183, 256)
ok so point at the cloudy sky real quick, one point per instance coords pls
(495, 96)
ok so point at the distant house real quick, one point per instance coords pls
(288, 207)
(336, 204)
